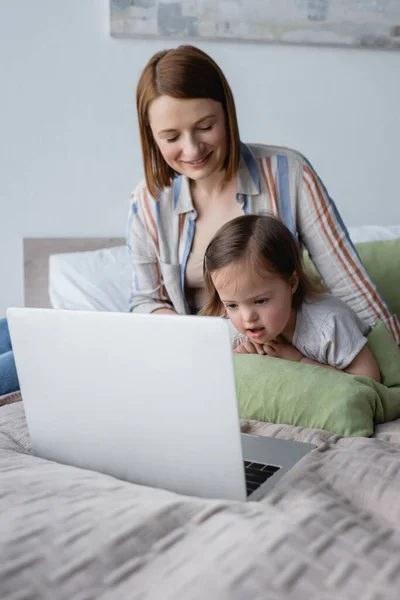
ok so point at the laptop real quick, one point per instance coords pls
(144, 398)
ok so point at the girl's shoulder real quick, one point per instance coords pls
(325, 303)
(330, 312)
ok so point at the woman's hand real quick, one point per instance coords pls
(280, 349)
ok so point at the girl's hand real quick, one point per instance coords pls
(278, 348)
(249, 347)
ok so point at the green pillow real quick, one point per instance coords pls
(280, 391)
(382, 262)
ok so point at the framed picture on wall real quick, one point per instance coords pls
(359, 23)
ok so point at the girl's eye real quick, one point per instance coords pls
(208, 128)
(169, 140)
(261, 301)
(231, 306)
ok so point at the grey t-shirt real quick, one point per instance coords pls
(329, 331)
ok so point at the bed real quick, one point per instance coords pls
(329, 529)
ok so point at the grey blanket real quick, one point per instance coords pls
(329, 529)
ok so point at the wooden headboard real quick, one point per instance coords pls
(36, 262)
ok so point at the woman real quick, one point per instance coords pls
(198, 176)
(8, 374)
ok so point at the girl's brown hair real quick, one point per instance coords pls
(183, 72)
(266, 244)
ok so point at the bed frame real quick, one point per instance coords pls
(36, 262)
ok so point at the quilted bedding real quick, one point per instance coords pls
(329, 529)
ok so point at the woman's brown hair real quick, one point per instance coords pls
(266, 244)
(183, 72)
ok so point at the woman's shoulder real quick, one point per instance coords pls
(140, 194)
(263, 151)
(139, 188)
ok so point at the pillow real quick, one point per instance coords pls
(280, 391)
(371, 233)
(381, 259)
(92, 280)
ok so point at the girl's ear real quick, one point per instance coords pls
(294, 282)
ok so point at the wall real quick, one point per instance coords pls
(69, 149)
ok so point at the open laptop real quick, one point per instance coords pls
(148, 399)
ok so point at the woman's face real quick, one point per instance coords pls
(191, 134)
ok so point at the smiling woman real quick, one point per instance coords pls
(191, 134)
(199, 176)
(182, 94)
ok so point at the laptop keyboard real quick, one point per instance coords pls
(256, 474)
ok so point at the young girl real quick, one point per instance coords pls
(254, 274)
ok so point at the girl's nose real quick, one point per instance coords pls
(249, 315)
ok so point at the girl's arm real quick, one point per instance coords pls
(324, 235)
(363, 364)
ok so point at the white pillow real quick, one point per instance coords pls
(92, 280)
(101, 279)
(372, 233)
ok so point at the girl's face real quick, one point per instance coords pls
(191, 134)
(259, 307)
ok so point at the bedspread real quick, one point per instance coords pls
(329, 529)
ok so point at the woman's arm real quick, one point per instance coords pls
(148, 291)
(323, 233)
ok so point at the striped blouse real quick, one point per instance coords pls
(269, 178)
